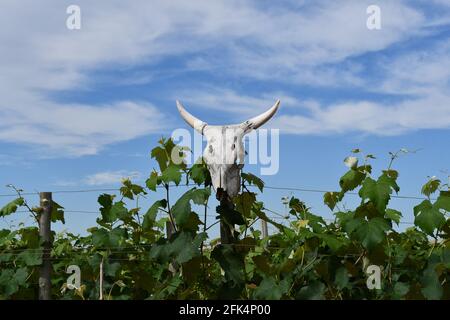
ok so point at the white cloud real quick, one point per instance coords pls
(76, 130)
(229, 101)
(427, 105)
(421, 77)
(369, 117)
(14, 160)
(301, 46)
(109, 177)
(421, 72)
(39, 56)
(249, 39)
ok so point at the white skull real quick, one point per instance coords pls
(224, 152)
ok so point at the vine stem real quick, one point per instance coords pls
(203, 242)
(34, 215)
(253, 222)
(390, 261)
(101, 281)
(218, 221)
(169, 211)
(138, 219)
(243, 210)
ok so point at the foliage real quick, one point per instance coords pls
(164, 252)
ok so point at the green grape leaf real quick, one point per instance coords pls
(369, 233)
(332, 198)
(11, 281)
(152, 181)
(160, 155)
(182, 247)
(332, 241)
(428, 217)
(379, 192)
(341, 278)
(200, 196)
(117, 237)
(244, 203)
(262, 263)
(231, 216)
(400, 290)
(393, 215)
(352, 179)
(172, 174)
(57, 213)
(129, 190)
(11, 207)
(313, 291)
(100, 238)
(253, 180)
(31, 258)
(106, 201)
(192, 269)
(111, 268)
(269, 289)
(118, 211)
(182, 208)
(431, 286)
(6, 237)
(150, 215)
(431, 186)
(231, 262)
(30, 236)
(199, 173)
(443, 201)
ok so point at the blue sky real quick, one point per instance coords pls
(82, 108)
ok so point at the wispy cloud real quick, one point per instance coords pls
(230, 101)
(423, 71)
(312, 45)
(76, 130)
(110, 177)
(104, 178)
(369, 117)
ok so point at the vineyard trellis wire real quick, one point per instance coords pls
(323, 191)
(281, 216)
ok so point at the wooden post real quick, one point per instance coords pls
(226, 233)
(264, 228)
(169, 229)
(45, 287)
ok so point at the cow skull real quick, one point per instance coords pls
(224, 152)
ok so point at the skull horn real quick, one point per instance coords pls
(195, 123)
(258, 121)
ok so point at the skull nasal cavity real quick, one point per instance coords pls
(211, 149)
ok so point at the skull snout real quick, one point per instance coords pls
(226, 177)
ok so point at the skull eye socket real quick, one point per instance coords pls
(233, 146)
